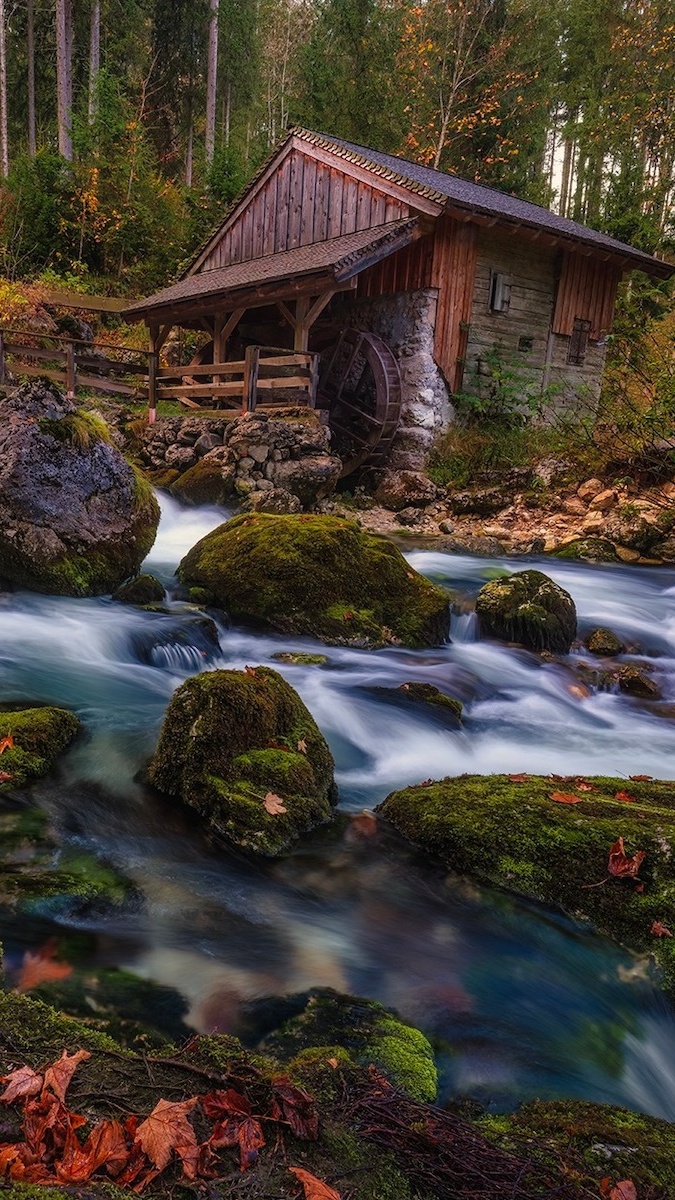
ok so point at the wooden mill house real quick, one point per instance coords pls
(377, 289)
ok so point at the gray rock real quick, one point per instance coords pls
(310, 478)
(529, 608)
(401, 489)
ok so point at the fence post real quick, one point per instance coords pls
(71, 370)
(153, 358)
(251, 368)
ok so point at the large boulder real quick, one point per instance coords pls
(317, 575)
(75, 518)
(529, 608)
(242, 750)
(33, 739)
(551, 839)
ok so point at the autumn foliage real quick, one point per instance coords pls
(58, 1148)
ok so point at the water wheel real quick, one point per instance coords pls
(360, 385)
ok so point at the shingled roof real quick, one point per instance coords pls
(340, 258)
(477, 198)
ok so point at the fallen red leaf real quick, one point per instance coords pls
(625, 797)
(166, 1130)
(361, 825)
(59, 1075)
(314, 1189)
(251, 1139)
(226, 1104)
(105, 1146)
(640, 778)
(297, 1107)
(564, 798)
(658, 929)
(5, 776)
(625, 1190)
(620, 865)
(41, 967)
(522, 778)
(582, 785)
(302, 746)
(7, 743)
(21, 1084)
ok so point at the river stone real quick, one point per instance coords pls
(75, 518)
(510, 832)
(232, 740)
(634, 681)
(529, 608)
(604, 642)
(39, 736)
(144, 589)
(317, 575)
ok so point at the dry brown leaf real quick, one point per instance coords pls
(274, 805)
(332, 1062)
(620, 865)
(658, 929)
(582, 785)
(564, 798)
(105, 1146)
(314, 1189)
(7, 743)
(521, 778)
(5, 776)
(577, 691)
(21, 1085)
(640, 778)
(625, 797)
(41, 967)
(625, 1190)
(250, 671)
(59, 1075)
(166, 1130)
(302, 746)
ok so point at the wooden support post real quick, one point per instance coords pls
(153, 363)
(71, 370)
(313, 379)
(251, 368)
(301, 337)
(3, 364)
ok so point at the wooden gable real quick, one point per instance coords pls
(305, 195)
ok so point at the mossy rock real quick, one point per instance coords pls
(513, 835)
(369, 1033)
(591, 1142)
(209, 481)
(37, 876)
(40, 735)
(163, 477)
(529, 608)
(634, 681)
(317, 575)
(300, 659)
(589, 549)
(231, 737)
(604, 642)
(144, 589)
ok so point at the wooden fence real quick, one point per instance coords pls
(266, 375)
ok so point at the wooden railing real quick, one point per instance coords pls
(74, 363)
(265, 375)
(265, 370)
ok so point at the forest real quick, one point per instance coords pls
(126, 126)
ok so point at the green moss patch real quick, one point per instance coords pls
(514, 835)
(317, 575)
(530, 608)
(232, 738)
(590, 549)
(40, 735)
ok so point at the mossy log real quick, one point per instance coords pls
(317, 575)
(229, 739)
(515, 835)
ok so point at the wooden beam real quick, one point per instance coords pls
(371, 177)
(286, 313)
(191, 309)
(301, 338)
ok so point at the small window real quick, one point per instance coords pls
(525, 344)
(500, 292)
(576, 354)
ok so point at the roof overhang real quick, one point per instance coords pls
(306, 270)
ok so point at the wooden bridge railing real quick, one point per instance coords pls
(73, 363)
(266, 374)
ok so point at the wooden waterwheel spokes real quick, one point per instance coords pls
(360, 385)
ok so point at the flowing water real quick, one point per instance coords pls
(520, 1002)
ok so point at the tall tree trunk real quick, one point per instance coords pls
(4, 141)
(32, 123)
(94, 58)
(228, 112)
(189, 149)
(64, 77)
(212, 84)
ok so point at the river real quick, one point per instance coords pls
(520, 1002)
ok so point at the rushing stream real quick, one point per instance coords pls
(521, 1002)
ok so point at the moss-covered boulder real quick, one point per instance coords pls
(604, 643)
(591, 1142)
(33, 739)
(209, 481)
(550, 840)
(298, 658)
(529, 608)
(369, 1032)
(589, 549)
(425, 699)
(635, 681)
(317, 575)
(242, 750)
(76, 519)
(144, 589)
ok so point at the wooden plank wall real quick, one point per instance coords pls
(405, 271)
(453, 273)
(586, 289)
(303, 201)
